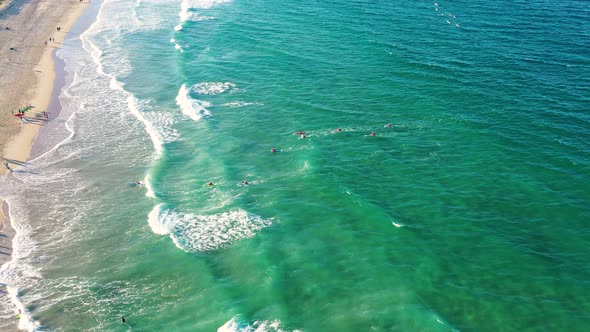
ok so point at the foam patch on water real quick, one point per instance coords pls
(206, 4)
(194, 233)
(25, 320)
(193, 108)
(149, 190)
(134, 13)
(154, 220)
(162, 122)
(186, 5)
(183, 14)
(235, 325)
(198, 18)
(132, 101)
(212, 88)
(16, 272)
(237, 104)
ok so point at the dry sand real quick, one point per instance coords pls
(27, 72)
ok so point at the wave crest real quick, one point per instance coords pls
(194, 233)
(235, 325)
(193, 108)
(212, 88)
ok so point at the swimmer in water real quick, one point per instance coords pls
(388, 125)
(273, 150)
(245, 182)
(372, 133)
(210, 184)
(338, 130)
(138, 183)
(300, 132)
(302, 136)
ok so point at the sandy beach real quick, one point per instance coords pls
(27, 69)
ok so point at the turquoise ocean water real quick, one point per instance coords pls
(469, 212)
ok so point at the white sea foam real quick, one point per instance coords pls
(396, 224)
(183, 14)
(148, 187)
(14, 272)
(134, 14)
(235, 325)
(198, 18)
(192, 232)
(21, 273)
(25, 321)
(163, 122)
(132, 102)
(236, 104)
(212, 88)
(73, 85)
(70, 127)
(176, 45)
(193, 108)
(206, 4)
(154, 220)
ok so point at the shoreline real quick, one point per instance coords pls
(16, 148)
(36, 83)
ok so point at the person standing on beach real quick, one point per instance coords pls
(7, 167)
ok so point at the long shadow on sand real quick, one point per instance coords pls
(16, 162)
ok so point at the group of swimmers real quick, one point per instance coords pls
(301, 134)
(211, 184)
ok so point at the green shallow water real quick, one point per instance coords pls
(468, 213)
